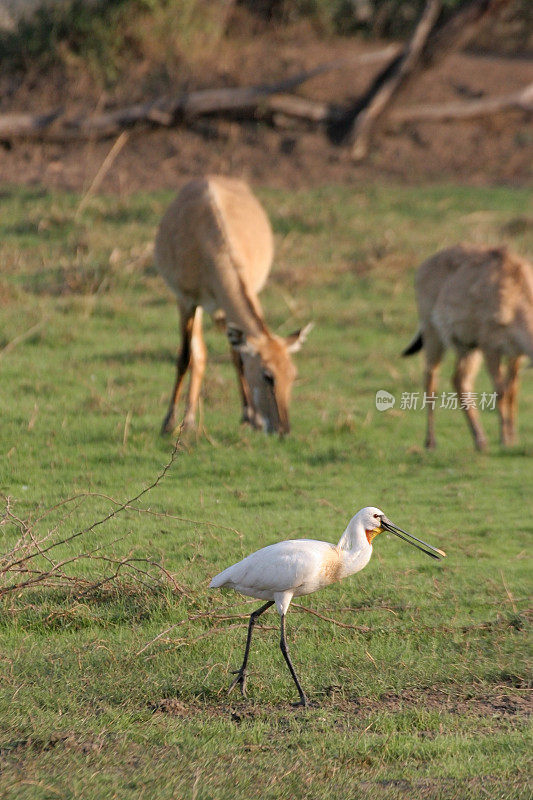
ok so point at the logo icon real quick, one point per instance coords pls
(384, 400)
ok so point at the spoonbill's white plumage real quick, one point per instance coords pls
(281, 571)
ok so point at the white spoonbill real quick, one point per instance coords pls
(281, 571)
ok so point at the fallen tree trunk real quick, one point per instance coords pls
(358, 122)
(301, 108)
(57, 125)
(521, 101)
(316, 112)
(364, 124)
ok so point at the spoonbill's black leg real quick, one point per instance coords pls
(241, 673)
(286, 656)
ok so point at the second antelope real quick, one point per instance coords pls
(480, 301)
(214, 248)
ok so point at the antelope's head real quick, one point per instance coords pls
(269, 374)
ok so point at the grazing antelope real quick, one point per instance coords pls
(480, 301)
(214, 249)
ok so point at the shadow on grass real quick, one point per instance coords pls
(124, 215)
(114, 603)
(47, 230)
(331, 455)
(61, 281)
(23, 192)
(148, 355)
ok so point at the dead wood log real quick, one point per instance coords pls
(364, 124)
(301, 108)
(521, 101)
(459, 29)
(429, 44)
(166, 111)
(315, 112)
(28, 124)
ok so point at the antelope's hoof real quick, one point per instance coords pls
(188, 424)
(169, 425)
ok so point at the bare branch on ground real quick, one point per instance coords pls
(31, 560)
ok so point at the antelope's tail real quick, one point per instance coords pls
(414, 346)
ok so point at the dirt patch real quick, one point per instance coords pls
(174, 707)
(68, 740)
(446, 788)
(500, 704)
(499, 149)
(238, 712)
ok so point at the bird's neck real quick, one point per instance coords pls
(354, 541)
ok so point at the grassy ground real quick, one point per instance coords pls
(419, 674)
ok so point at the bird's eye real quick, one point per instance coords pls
(376, 516)
(269, 378)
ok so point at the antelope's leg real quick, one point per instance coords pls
(241, 672)
(430, 383)
(466, 369)
(182, 365)
(198, 360)
(506, 391)
(433, 351)
(244, 389)
(512, 399)
(286, 656)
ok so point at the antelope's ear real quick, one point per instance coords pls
(238, 341)
(295, 340)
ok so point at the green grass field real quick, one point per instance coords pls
(417, 670)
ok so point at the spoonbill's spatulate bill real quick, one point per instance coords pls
(281, 571)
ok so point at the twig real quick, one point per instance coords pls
(159, 635)
(31, 548)
(102, 172)
(42, 576)
(219, 617)
(112, 513)
(22, 337)
(127, 424)
(130, 507)
(508, 593)
(214, 614)
(360, 628)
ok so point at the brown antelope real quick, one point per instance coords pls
(214, 248)
(478, 300)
